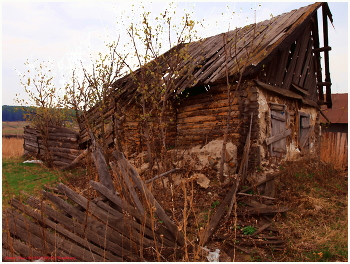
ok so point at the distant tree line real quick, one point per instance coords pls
(12, 113)
(17, 113)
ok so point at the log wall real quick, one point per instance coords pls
(62, 145)
(202, 118)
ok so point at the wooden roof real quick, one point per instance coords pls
(338, 114)
(206, 57)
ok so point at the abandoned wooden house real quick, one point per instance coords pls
(274, 71)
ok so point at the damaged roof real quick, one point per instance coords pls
(338, 114)
(205, 60)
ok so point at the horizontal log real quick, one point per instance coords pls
(30, 130)
(208, 125)
(63, 155)
(203, 99)
(30, 137)
(212, 111)
(60, 144)
(62, 138)
(60, 163)
(31, 149)
(206, 118)
(208, 105)
(62, 130)
(31, 143)
(74, 152)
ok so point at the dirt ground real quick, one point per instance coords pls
(314, 228)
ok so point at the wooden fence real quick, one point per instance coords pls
(62, 143)
(69, 227)
(334, 149)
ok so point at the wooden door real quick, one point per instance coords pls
(305, 129)
(279, 132)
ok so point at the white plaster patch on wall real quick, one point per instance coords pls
(263, 111)
(293, 152)
(263, 105)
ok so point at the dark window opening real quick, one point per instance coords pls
(194, 91)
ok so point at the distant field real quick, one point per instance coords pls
(13, 128)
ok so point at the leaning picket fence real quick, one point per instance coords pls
(66, 226)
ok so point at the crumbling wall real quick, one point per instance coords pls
(264, 105)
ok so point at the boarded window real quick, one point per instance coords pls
(305, 130)
(279, 131)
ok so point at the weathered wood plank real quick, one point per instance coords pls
(8, 256)
(27, 230)
(117, 223)
(304, 39)
(121, 203)
(278, 90)
(260, 211)
(31, 149)
(26, 252)
(46, 222)
(31, 137)
(281, 71)
(61, 130)
(214, 221)
(96, 235)
(150, 198)
(278, 116)
(77, 160)
(128, 183)
(99, 228)
(101, 164)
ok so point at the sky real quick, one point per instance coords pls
(62, 32)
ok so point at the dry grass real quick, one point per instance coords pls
(316, 225)
(12, 147)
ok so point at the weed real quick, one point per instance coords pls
(248, 230)
(215, 204)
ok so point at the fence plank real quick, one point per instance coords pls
(81, 230)
(82, 242)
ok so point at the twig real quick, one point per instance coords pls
(162, 175)
(260, 196)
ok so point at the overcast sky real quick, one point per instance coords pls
(59, 31)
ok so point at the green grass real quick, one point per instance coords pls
(27, 177)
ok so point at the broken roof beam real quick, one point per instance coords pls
(327, 13)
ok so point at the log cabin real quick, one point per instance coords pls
(270, 71)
